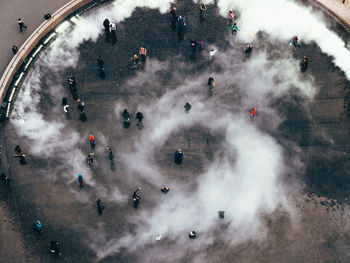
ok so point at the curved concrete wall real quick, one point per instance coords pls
(34, 39)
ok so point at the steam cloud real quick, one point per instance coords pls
(245, 178)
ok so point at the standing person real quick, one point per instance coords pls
(139, 117)
(126, 118)
(200, 45)
(80, 180)
(110, 154)
(178, 156)
(173, 14)
(193, 45)
(18, 151)
(92, 141)
(187, 107)
(304, 64)
(253, 112)
(65, 106)
(106, 26)
(202, 8)
(143, 53)
(234, 29)
(100, 206)
(294, 41)
(90, 159)
(134, 61)
(113, 28)
(21, 24)
(37, 226)
(100, 62)
(14, 49)
(73, 87)
(182, 22)
(231, 16)
(248, 50)
(81, 105)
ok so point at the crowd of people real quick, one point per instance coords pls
(136, 59)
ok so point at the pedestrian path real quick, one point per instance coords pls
(31, 12)
(338, 8)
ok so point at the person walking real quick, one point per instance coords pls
(92, 141)
(113, 28)
(21, 24)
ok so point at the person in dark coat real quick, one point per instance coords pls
(178, 156)
(81, 105)
(14, 49)
(139, 117)
(304, 64)
(187, 107)
(106, 26)
(21, 24)
(73, 87)
(100, 206)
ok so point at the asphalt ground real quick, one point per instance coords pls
(319, 129)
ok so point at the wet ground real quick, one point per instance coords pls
(319, 127)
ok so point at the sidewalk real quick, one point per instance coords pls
(342, 11)
(32, 13)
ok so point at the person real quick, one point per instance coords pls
(100, 206)
(202, 7)
(110, 154)
(100, 63)
(113, 32)
(18, 151)
(193, 45)
(182, 22)
(304, 64)
(136, 197)
(193, 234)
(106, 25)
(231, 16)
(234, 29)
(211, 83)
(248, 50)
(221, 214)
(73, 87)
(139, 117)
(92, 141)
(90, 159)
(21, 24)
(164, 189)
(173, 13)
(187, 107)
(80, 180)
(14, 49)
(54, 248)
(4, 178)
(81, 105)
(200, 45)
(178, 156)
(126, 118)
(134, 61)
(143, 53)
(253, 112)
(65, 105)
(294, 41)
(37, 226)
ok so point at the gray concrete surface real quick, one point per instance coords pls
(32, 13)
